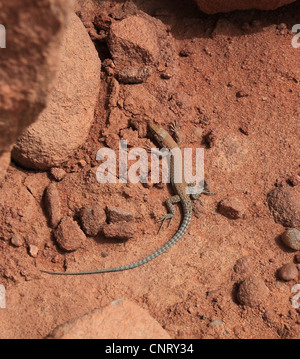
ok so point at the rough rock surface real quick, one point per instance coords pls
(92, 219)
(31, 49)
(120, 319)
(284, 203)
(68, 234)
(121, 231)
(64, 125)
(252, 291)
(4, 163)
(232, 208)
(53, 205)
(215, 6)
(140, 39)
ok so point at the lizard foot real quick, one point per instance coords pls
(164, 219)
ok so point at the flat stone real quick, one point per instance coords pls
(115, 215)
(120, 319)
(92, 219)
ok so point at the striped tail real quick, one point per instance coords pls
(180, 233)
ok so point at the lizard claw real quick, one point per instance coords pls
(174, 127)
(147, 147)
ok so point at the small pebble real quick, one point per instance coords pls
(216, 323)
(291, 238)
(269, 316)
(244, 266)
(115, 215)
(82, 163)
(244, 128)
(288, 272)
(211, 138)
(297, 258)
(241, 94)
(68, 235)
(58, 173)
(33, 251)
(186, 52)
(166, 75)
(121, 231)
(15, 241)
(53, 205)
(294, 180)
(232, 208)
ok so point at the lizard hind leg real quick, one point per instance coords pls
(171, 210)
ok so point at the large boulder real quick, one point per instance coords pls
(34, 29)
(65, 123)
(120, 319)
(215, 6)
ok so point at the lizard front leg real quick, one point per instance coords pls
(174, 127)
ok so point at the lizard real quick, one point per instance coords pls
(165, 140)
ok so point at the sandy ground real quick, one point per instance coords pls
(238, 80)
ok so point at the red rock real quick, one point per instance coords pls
(31, 39)
(68, 235)
(93, 219)
(120, 319)
(121, 231)
(134, 38)
(244, 266)
(288, 272)
(33, 251)
(115, 215)
(284, 203)
(252, 291)
(65, 123)
(53, 204)
(215, 6)
(232, 208)
(58, 173)
(141, 40)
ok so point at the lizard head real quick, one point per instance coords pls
(158, 133)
